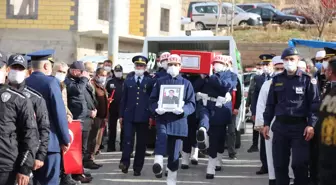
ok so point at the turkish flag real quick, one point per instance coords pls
(72, 159)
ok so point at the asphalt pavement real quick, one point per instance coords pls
(234, 172)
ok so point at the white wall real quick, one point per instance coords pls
(154, 14)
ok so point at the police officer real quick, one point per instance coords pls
(171, 127)
(266, 60)
(19, 134)
(292, 98)
(326, 130)
(114, 90)
(135, 116)
(163, 65)
(215, 112)
(49, 87)
(17, 73)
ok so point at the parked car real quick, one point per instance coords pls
(295, 11)
(247, 6)
(275, 16)
(189, 13)
(205, 15)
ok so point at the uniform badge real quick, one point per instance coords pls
(5, 96)
(299, 90)
(313, 81)
(112, 86)
(26, 94)
(278, 84)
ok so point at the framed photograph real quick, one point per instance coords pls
(171, 97)
(191, 61)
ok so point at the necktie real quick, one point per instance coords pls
(138, 81)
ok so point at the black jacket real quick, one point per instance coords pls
(238, 95)
(115, 84)
(42, 118)
(76, 88)
(91, 105)
(19, 134)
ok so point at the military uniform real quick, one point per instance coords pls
(135, 117)
(291, 100)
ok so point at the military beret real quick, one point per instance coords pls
(289, 52)
(140, 60)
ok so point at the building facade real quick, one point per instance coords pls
(78, 28)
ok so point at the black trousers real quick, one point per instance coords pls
(313, 164)
(255, 136)
(112, 135)
(7, 178)
(263, 157)
(85, 138)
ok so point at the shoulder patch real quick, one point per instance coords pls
(5, 96)
(313, 81)
(27, 94)
(33, 92)
(16, 93)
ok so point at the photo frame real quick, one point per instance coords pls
(171, 97)
(191, 62)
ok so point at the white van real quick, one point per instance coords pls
(205, 15)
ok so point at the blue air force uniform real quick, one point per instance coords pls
(49, 88)
(293, 101)
(134, 110)
(171, 128)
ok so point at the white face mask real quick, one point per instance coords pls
(107, 68)
(16, 77)
(266, 70)
(173, 71)
(290, 66)
(101, 80)
(159, 64)
(139, 72)
(219, 67)
(2, 77)
(258, 72)
(60, 76)
(164, 65)
(325, 64)
(118, 74)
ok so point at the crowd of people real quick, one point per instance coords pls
(40, 97)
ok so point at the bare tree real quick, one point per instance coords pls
(320, 11)
(219, 15)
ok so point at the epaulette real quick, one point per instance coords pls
(13, 91)
(29, 90)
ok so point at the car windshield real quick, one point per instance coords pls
(278, 12)
(239, 9)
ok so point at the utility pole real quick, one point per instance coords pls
(113, 36)
(233, 14)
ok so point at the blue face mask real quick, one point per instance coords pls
(318, 66)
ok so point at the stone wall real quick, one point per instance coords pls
(250, 51)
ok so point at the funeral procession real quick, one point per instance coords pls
(178, 92)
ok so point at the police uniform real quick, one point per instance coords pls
(135, 117)
(215, 113)
(49, 88)
(39, 106)
(259, 81)
(114, 90)
(291, 100)
(171, 127)
(19, 134)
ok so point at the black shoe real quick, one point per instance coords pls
(88, 175)
(232, 156)
(184, 167)
(194, 162)
(271, 182)
(111, 150)
(262, 171)
(157, 170)
(210, 176)
(218, 168)
(136, 174)
(166, 173)
(67, 180)
(82, 178)
(102, 147)
(253, 149)
(201, 140)
(98, 152)
(123, 168)
(132, 155)
(91, 165)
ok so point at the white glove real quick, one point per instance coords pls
(182, 104)
(220, 101)
(228, 97)
(199, 96)
(178, 111)
(160, 111)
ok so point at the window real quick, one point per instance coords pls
(226, 10)
(164, 23)
(22, 9)
(206, 9)
(99, 47)
(103, 10)
(256, 10)
(267, 13)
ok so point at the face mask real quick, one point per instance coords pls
(258, 72)
(173, 71)
(318, 66)
(159, 65)
(2, 77)
(118, 74)
(139, 72)
(219, 67)
(164, 65)
(290, 66)
(60, 76)
(16, 77)
(101, 80)
(266, 70)
(325, 64)
(107, 68)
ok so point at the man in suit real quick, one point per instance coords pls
(49, 88)
(170, 99)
